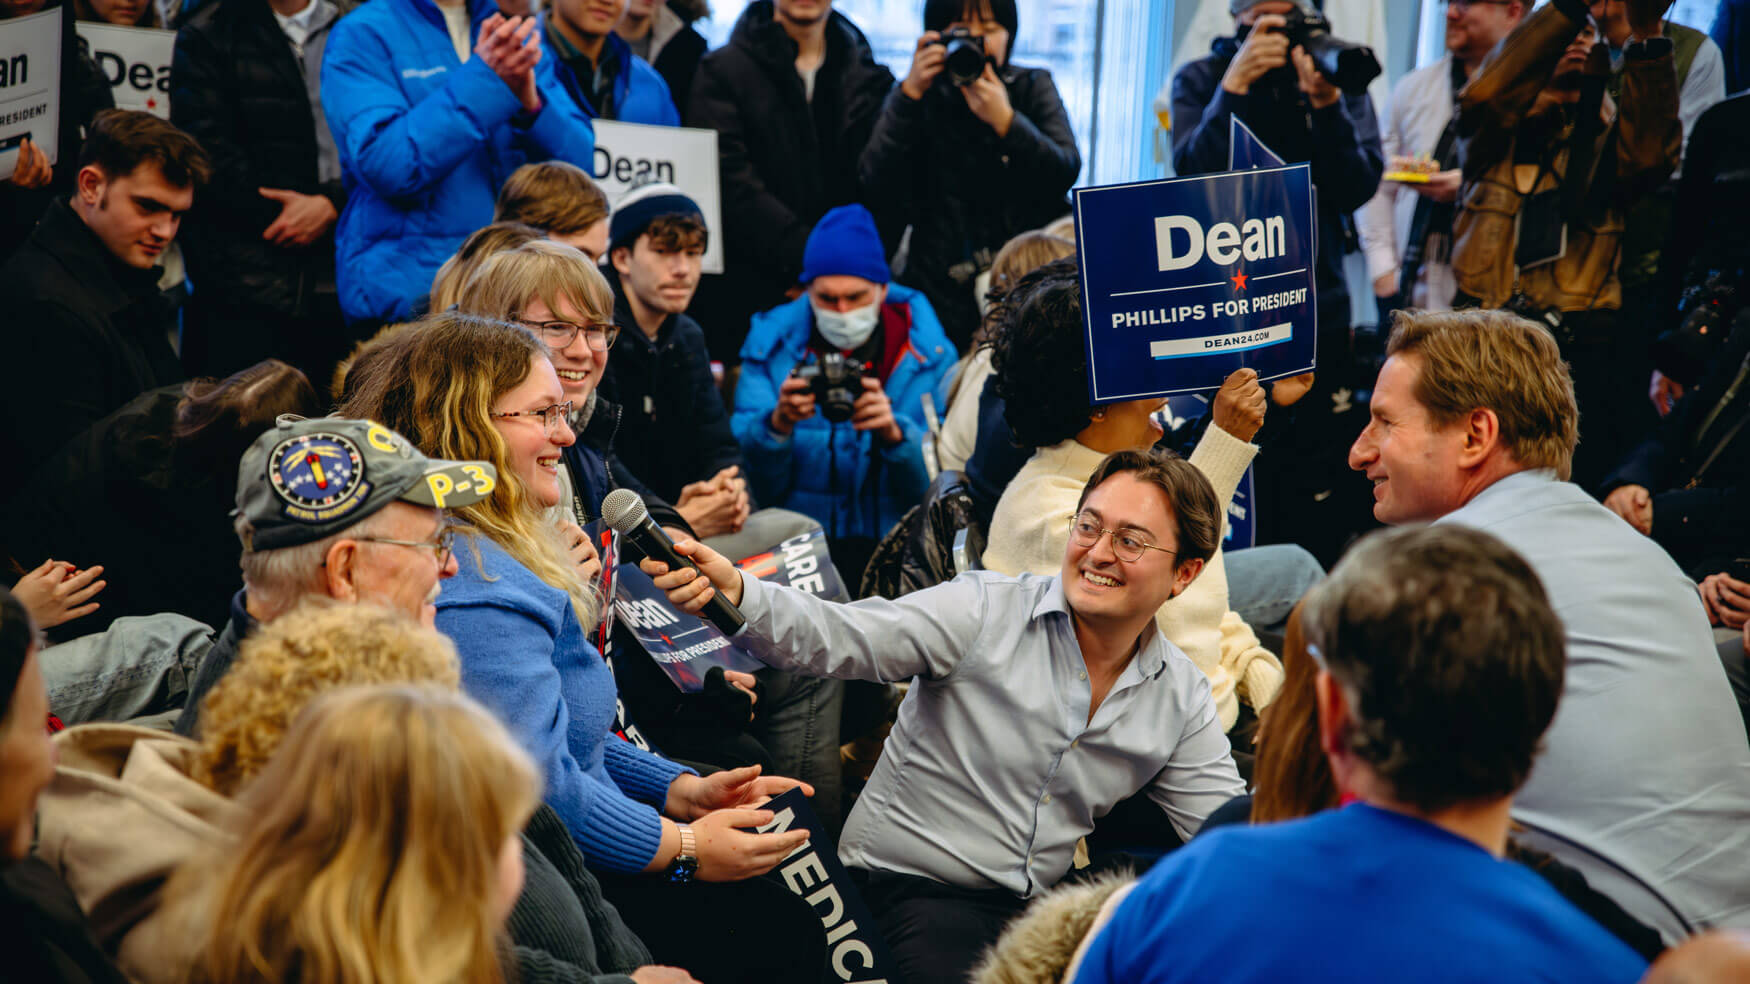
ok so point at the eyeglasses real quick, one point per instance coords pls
(560, 334)
(444, 544)
(1125, 543)
(552, 416)
(1460, 5)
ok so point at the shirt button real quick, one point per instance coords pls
(1047, 799)
(1082, 675)
(1074, 742)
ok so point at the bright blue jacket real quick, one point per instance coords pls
(839, 476)
(640, 94)
(424, 142)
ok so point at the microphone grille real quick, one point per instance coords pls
(623, 510)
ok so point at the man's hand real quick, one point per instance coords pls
(688, 591)
(795, 403)
(1646, 18)
(691, 797)
(1266, 48)
(717, 506)
(1664, 392)
(1287, 392)
(988, 99)
(1319, 90)
(656, 974)
(32, 169)
(303, 219)
(873, 411)
(511, 48)
(1239, 404)
(57, 592)
(581, 551)
(728, 853)
(1634, 504)
(745, 683)
(1727, 600)
(1386, 284)
(926, 63)
(1442, 186)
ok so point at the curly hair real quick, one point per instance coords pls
(319, 646)
(1041, 366)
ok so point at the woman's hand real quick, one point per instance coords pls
(57, 592)
(691, 797)
(1239, 404)
(581, 551)
(729, 853)
(926, 63)
(988, 99)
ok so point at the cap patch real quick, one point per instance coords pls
(319, 477)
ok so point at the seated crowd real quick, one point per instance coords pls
(329, 655)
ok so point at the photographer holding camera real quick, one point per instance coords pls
(829, 410)
(969, 150)
(1552, 165)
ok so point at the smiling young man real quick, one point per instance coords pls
(1644, 778)
(91, 329)
(1037, 703)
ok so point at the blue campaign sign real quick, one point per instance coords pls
(1187, 279)
(1245, 150)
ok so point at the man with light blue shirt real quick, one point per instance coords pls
(1037, 704)
(1644, 781)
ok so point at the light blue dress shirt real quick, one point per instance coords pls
(994, 770)
(1646, 762)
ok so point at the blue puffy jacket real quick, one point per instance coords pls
(640, 94)
(424, 142)
(831, 472)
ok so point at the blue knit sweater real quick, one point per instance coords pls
(525, 657)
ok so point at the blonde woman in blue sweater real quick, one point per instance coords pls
(667, 843)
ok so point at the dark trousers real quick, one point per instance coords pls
(752, 932)
(936, 932)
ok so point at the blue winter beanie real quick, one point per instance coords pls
(844, 243)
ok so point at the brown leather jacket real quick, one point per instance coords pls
(1642, 140)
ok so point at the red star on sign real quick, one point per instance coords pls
(1239, 280)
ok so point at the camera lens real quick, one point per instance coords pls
(965, 60)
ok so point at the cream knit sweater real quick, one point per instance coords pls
(1030, 529)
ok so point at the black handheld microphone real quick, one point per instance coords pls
(626, 513)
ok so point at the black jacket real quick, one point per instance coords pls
(1697, 465)
(88, 334)
(678, 61)
(84, 93)
(1340, 141)
(595, 471)
(123, 495)
(238, 87)
(933, 165)
(47, 936)
(674, 428)
(783, 160)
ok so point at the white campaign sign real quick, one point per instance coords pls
(631, 154)
(30, 85)
(136, 62)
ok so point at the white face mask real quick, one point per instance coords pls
(846, 329)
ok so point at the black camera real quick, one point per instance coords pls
(836, 383)
(1347, 65)
(965, 60)
(1683, 353)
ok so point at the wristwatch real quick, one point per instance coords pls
(685, 865)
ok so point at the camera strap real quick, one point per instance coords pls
(1432, 217)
